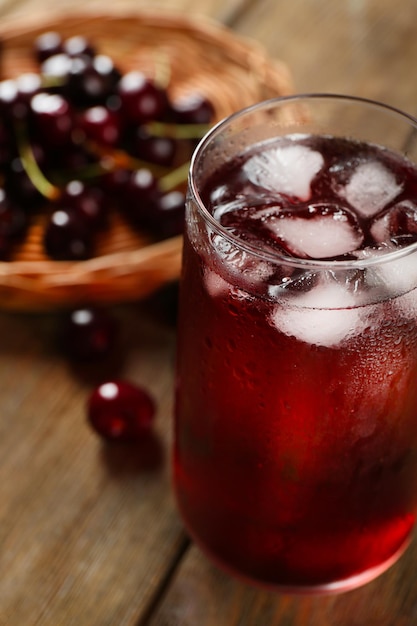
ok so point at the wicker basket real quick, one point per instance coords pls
(231, 71)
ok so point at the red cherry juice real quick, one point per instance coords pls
(296, 421)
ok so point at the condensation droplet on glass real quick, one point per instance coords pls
(237, 372)
(250, 367)
(233, 309)
(231, 345)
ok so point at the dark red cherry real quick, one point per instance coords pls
(91, 81)
(192, 108)
(53, 118)
(77, 46)
(101, 125)
(13, 223)
(89, 334)
(72, 161)
(75, 88)
(120, 411)
(28, 85)
(140, 197)
(67, 236)
(157, 150)
(88, 201)
(169, 214)
(140, 99)
(56, 68)
(15, 96)
(20, 185)
(13, 219)
(116, 183)
(6, 145)
(143, 184)
(107, 74)
(8, 95)
(46, 45)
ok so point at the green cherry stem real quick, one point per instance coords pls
(32, 169)
(113, 159)
(177, 131)
(175, 178)
(168, 180)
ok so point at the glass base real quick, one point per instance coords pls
(331, 588)
(347, 584)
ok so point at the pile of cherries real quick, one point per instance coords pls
(81, 139)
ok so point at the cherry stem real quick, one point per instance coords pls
(175, 177)
(177, 131)
(110, 160)
(168, 179)
(49, 82)
(113, 159)
(32, 169)
(86, 172)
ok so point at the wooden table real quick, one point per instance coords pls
(89, 534)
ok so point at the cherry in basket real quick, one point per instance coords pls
(80, 120)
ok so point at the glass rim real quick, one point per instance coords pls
(276, 256)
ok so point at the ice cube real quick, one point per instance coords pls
(371, 188)
(218, 194)
(291, 281)
(393, 275)
(403, 222)
(285, 169)
(396, 226)
(321, 232)
(324, 316)
(398, 275)
(232, 212)
(245, 270)
(380, 229)
(407, 304)
(216, 286)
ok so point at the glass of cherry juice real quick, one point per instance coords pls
(295, 461)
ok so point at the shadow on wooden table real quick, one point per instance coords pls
(203, 595)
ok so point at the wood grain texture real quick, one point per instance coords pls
(87, 530)
(358, 47)
(217, 9)
(89, 534)
(200, 594)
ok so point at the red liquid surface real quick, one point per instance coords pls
(295, 462)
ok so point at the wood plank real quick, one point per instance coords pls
(361, 47)
(201, 594)
(87, 530)
(89, 534)
(212, 8)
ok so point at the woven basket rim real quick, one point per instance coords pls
(205, 26)
(10, 25)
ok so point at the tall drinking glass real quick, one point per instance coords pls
(295, 462)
